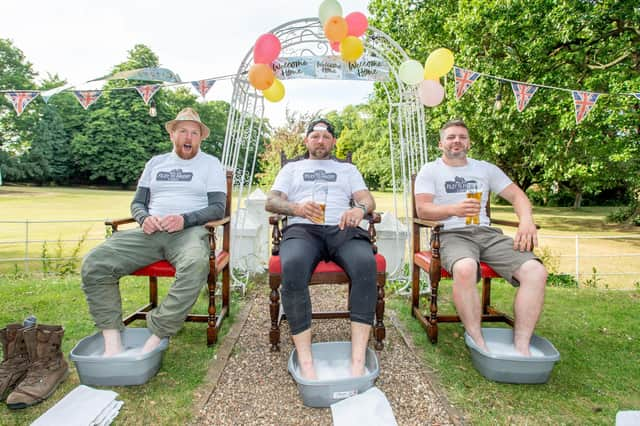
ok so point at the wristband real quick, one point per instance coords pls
(361, 206)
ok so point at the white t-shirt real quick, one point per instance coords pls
(296, 181)
(179, 186)
(448, 185)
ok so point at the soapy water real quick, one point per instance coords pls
(507, 348)
(332, 370)
(130, 352)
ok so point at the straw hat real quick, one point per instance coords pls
(188, 114)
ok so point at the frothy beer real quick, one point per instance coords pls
(473, 192)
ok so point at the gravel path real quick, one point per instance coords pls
(249, 385)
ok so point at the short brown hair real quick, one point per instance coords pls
(456, 122)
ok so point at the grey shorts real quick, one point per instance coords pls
(485, 244)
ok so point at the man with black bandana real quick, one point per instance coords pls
(306, 241)
(177, 193)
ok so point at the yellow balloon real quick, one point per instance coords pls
(439, 62)
(429, 75)
(275, 93)
(351, 48)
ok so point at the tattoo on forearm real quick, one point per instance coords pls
(276, 203)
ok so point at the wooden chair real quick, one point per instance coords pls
(429, 261)
(218, 264)
(325, 273)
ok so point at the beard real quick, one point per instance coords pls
(319, 153)
(451, 155)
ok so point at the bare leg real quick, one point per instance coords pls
(359, 339)
(152, 342)
(467, 300)
(112, 342)
(528, 303)
(302, 341)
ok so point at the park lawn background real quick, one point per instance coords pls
(557, 236)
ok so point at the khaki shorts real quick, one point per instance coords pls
(485, 244)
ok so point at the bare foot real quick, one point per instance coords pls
(523, 350)
(357, 368)
(479, 341)
(152, 342)
(307, 371)
(112, 342)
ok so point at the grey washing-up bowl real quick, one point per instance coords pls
(121, 370)
(510, 367)
(323, 393)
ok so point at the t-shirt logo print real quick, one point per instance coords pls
(459, 184)
(319, 175)
(175, 175)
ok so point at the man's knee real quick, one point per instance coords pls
(193, 262)
(465, 271)
(96, 267)
(532, 271)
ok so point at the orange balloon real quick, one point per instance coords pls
(261, 76)
(336, 28)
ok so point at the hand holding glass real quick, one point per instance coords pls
(319, 196)
(474, 190)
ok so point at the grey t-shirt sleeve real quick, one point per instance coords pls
(140, 204)
(215, 210)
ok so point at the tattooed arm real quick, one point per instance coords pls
(277, 202)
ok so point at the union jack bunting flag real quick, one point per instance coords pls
(584, 102)
(464, 80)
(147, 91)
(87, 97)
(523, 94)
(21, 99)
(637, 95)
(203, 86)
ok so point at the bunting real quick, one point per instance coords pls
(147, 91)
(523, 93)
(203, 86)
(20, 99)
(583, 102)
(637, 95)
(87, 97)
(464, 80)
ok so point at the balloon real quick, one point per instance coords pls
(430, 75)
(266, 49)
(336, 28)
(261, 76)
(275, 93)
(329, 8)
(357, 23)
(439, 62)
(335, 46)
(351, 48)
(411, 72)
(431, 93)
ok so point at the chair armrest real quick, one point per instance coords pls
(428, 223)
(508, 223)
(218, 222)
(114, 223)
(275, 219)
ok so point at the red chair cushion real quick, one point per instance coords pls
(423, 258)
(276, 268)
(163, 268)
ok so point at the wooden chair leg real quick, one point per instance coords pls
(379, 331)
(274, 312)
(153, 291)
(486, 295)
(432, 327)
(212, 329)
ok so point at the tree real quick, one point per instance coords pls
(593, 46)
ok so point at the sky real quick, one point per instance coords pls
(81, 40)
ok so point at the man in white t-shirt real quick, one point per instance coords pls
(177, 193)
(441, 194)
(308, 239)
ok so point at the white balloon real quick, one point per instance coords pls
(431, 93)
(411, 72)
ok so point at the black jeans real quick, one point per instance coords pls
(303, 246)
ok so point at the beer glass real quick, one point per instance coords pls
(474, 190)
(319, 196)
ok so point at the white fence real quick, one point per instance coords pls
(603, 258)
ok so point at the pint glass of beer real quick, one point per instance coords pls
(319, 196)
(474, 190)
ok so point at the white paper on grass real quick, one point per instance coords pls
(370, 408)
(81, 407)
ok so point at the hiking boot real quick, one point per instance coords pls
(16, 358)
(47, 370)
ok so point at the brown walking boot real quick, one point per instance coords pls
(47, 370)
(16, 358)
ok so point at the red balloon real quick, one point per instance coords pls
(335, 46)
(266, 49)
(357, 23)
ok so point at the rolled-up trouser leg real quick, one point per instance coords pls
(188, 252)
(298, 258)
(123, 253)
(356, 258)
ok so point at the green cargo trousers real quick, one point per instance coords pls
(127, 251)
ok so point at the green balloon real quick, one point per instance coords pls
(329, 8)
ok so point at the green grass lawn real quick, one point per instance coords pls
(167, 399)
(597, 333)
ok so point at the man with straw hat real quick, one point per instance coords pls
(177, 193)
